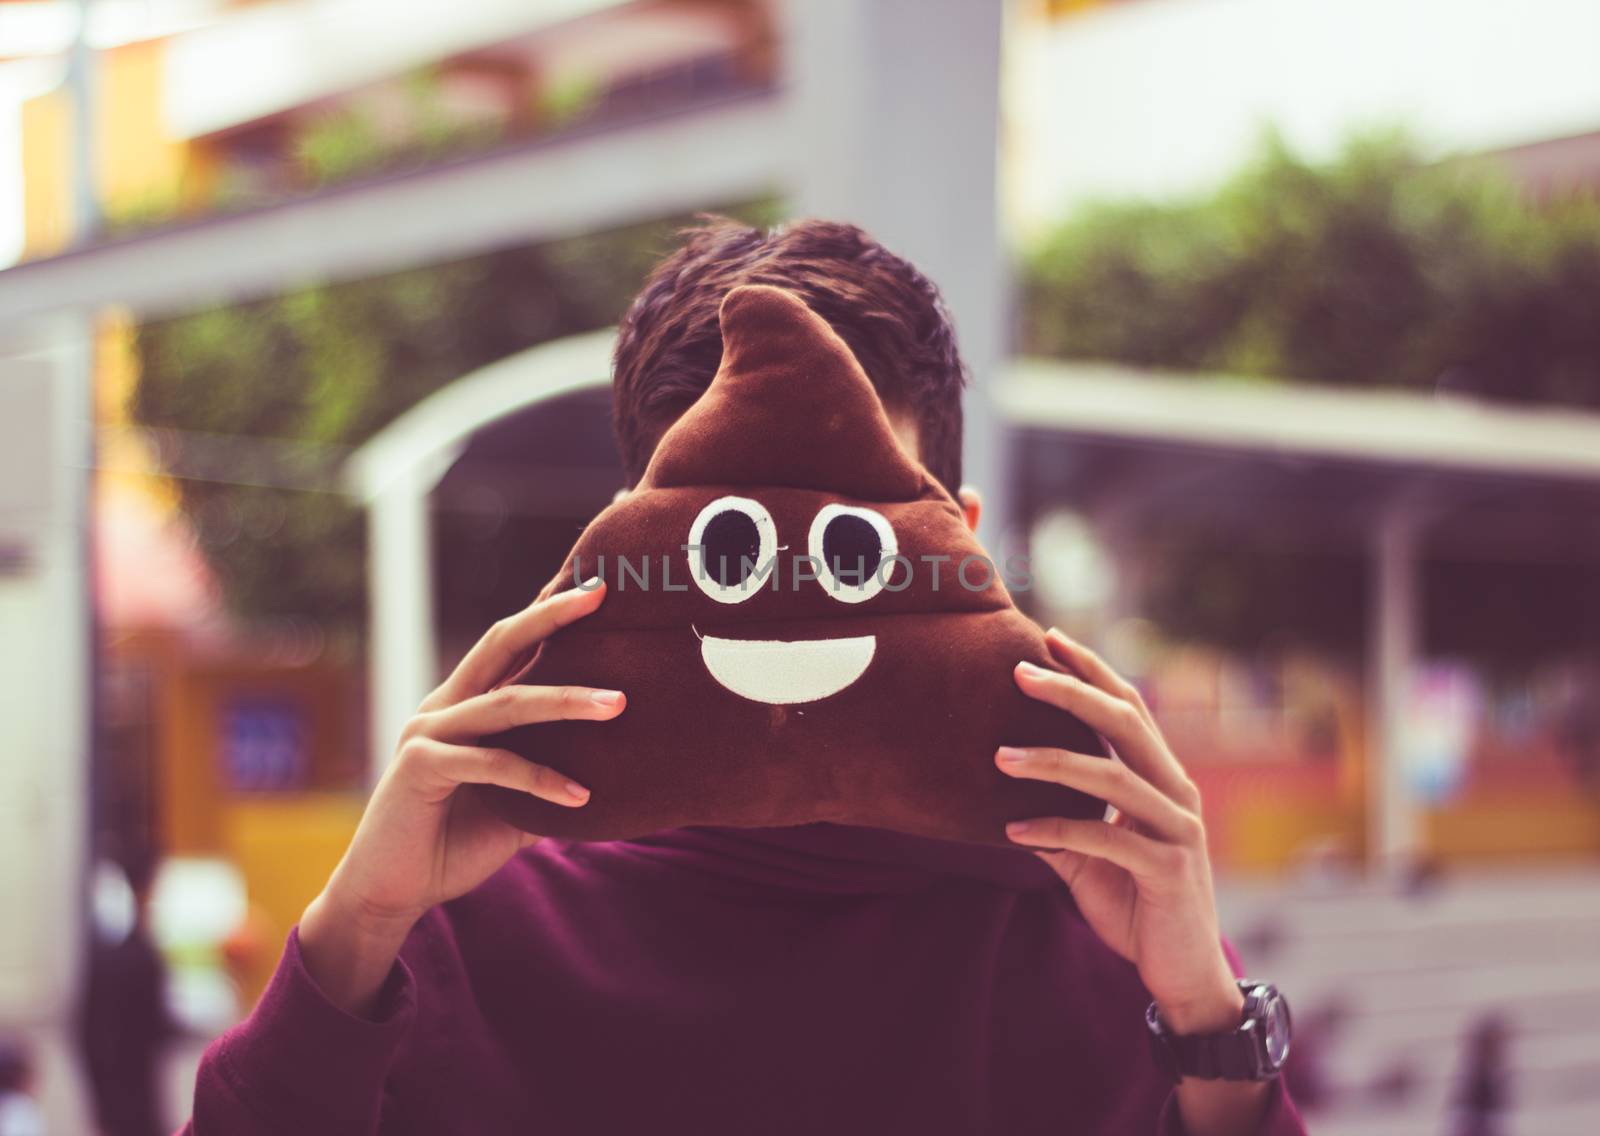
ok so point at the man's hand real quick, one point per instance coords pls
(1142, 879)
(421, 841)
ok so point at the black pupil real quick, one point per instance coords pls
(852, 550)
(729, 546)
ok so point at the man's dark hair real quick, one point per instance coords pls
(890, 315)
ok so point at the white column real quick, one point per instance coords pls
(401, 649)
(895, 127)
(45, 697)
(1394, 828)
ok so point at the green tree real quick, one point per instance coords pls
(1378, 268)
(256, 403)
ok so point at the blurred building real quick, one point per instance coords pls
(221, 154)
(1147, 98)
(162, 157)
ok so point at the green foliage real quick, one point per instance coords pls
(340, 144)
(567, 99)
(351, 138)
(1375, 269)
(302, 378)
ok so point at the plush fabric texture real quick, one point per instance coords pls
(781, 665)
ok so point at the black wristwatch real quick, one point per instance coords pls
(1255, 1051)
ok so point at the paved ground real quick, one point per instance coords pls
(1415, 975)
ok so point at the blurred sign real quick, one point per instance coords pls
(264, 745)
(1447, 705)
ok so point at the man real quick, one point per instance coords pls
(457, 975)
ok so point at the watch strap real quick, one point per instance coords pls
(1233, 1055)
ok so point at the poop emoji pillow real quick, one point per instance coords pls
(803, 625)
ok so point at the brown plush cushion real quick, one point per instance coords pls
(783, 700)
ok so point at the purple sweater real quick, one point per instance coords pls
(812, 980)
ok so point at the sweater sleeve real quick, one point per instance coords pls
(301, 1064)
(1280, 1118)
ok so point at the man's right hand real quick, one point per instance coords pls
(421, 841)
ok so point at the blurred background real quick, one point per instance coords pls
(1285, 322)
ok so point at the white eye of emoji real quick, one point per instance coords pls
(732, 548)
(852, 548)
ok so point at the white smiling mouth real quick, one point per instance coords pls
(781, 671)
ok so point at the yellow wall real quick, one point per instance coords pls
(139, 166)
(1271, 837)
(46, 174)
(284, 844)
(1530, 825)
(194, 800)
(286, 847)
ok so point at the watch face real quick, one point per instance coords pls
(1277, 1031)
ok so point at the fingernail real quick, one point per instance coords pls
(577, 791)
(606, 697)
(591, 583)
(1031, 670)
(1018, 827)
(1011, 754)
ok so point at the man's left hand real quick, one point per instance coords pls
(1142, 878)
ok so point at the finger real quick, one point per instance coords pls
(1111, 781)
(450, 766)
(504, 646)
(1140, 855)
(1136, 740)
(511, 706)
(1095, 670)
